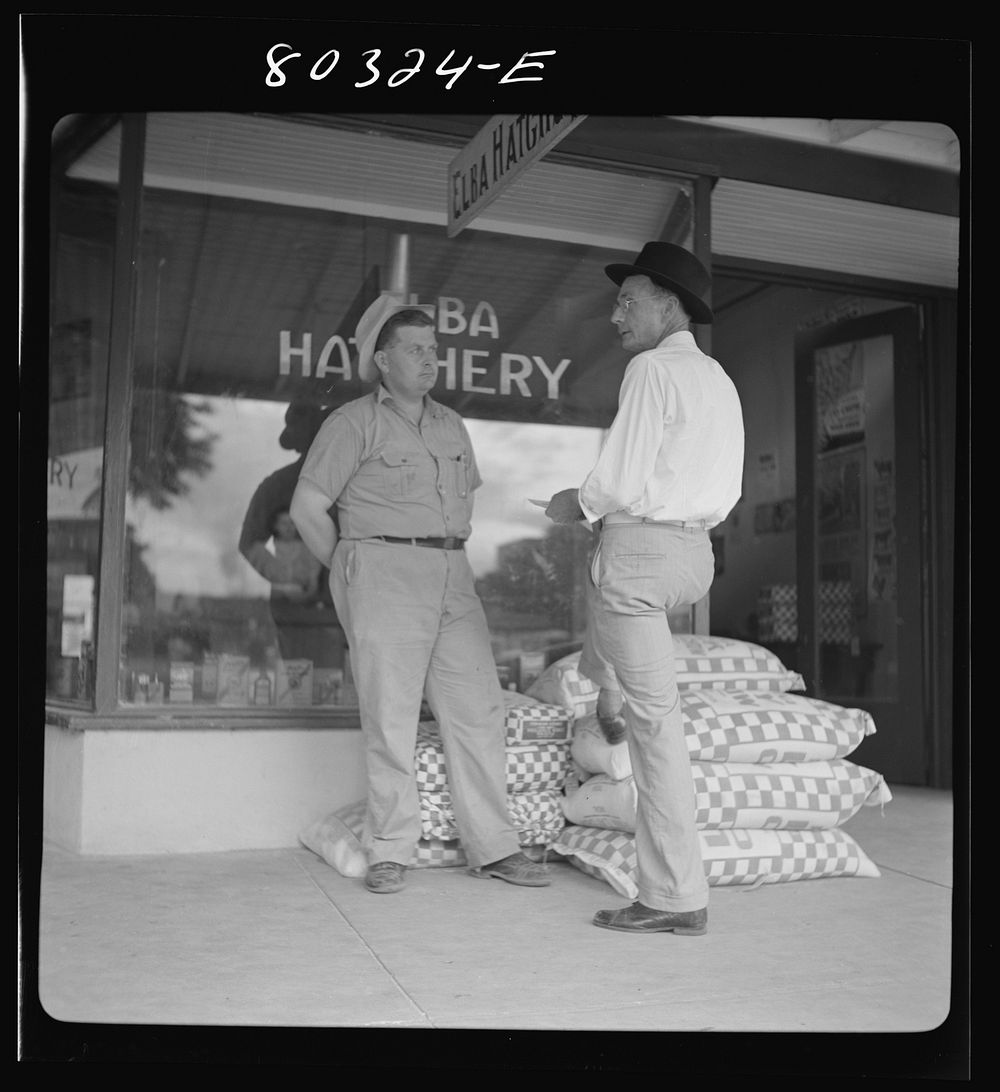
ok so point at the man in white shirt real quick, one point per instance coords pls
(670, 469)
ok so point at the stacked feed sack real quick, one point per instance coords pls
(773, 784)
(538, 766)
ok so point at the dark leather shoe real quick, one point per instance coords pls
(644, 919)
(516, 869)
(385, 877)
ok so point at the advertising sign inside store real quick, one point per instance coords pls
(840, 395)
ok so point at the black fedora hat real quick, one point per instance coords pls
(671, 267)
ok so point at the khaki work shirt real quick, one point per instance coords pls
(389, 476)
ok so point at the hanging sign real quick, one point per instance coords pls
(495, 156)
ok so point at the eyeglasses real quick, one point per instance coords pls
(626, 303)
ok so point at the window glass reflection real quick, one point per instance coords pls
(206, 623)
(248, 300)
(223, 604)
(83, 252)
(531, 573)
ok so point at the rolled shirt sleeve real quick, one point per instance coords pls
(335, 455)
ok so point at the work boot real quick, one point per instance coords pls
(644, 919)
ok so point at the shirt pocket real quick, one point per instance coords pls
(399, 470)
(455, 467)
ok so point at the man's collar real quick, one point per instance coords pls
(677, 337)
(435, 409)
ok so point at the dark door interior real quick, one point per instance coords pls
(860, 589)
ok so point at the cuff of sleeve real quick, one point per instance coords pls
(588, 513)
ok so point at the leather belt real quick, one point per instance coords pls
(451, 543)
(623, 517)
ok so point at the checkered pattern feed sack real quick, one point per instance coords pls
(562, 684)
(435, 853)
(337, 839)
(730, 664)
(777, 612)
(702, 663)
(537, 816)
(527, 720)
(745, 796)
(537, 767)
(730, 856)
(538, 723)
(738, 726)
(531, 767)
(769, 726)
(783, 795)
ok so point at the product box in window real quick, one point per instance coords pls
(348, 693)
(328, 684)
(262, 687)
(234, 680)
(532, 665)
(208, 686)
(181, 682)
(294, 685)
(507, 675)
(147, 688)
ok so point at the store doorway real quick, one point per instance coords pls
(860, 587)
(825, 561)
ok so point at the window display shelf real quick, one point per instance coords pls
(200, 718)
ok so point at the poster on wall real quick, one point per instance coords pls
(840, 396)
(841, 513)
(74, 484)
(767, 474)
(882, 582)
(77, 614)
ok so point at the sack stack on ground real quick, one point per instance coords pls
(539, 763)
(773, 781)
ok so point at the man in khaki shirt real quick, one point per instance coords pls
(401, 470)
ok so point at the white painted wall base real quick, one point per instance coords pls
(139, 791)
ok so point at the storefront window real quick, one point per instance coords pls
(83, 246)
(262, 244)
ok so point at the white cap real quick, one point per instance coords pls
(370, 326)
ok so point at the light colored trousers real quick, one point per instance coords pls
(639, 572)
(415, 625)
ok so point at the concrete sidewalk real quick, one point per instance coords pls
(278, 939)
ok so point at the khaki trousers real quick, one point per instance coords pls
(415, 625)
(639, 572)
